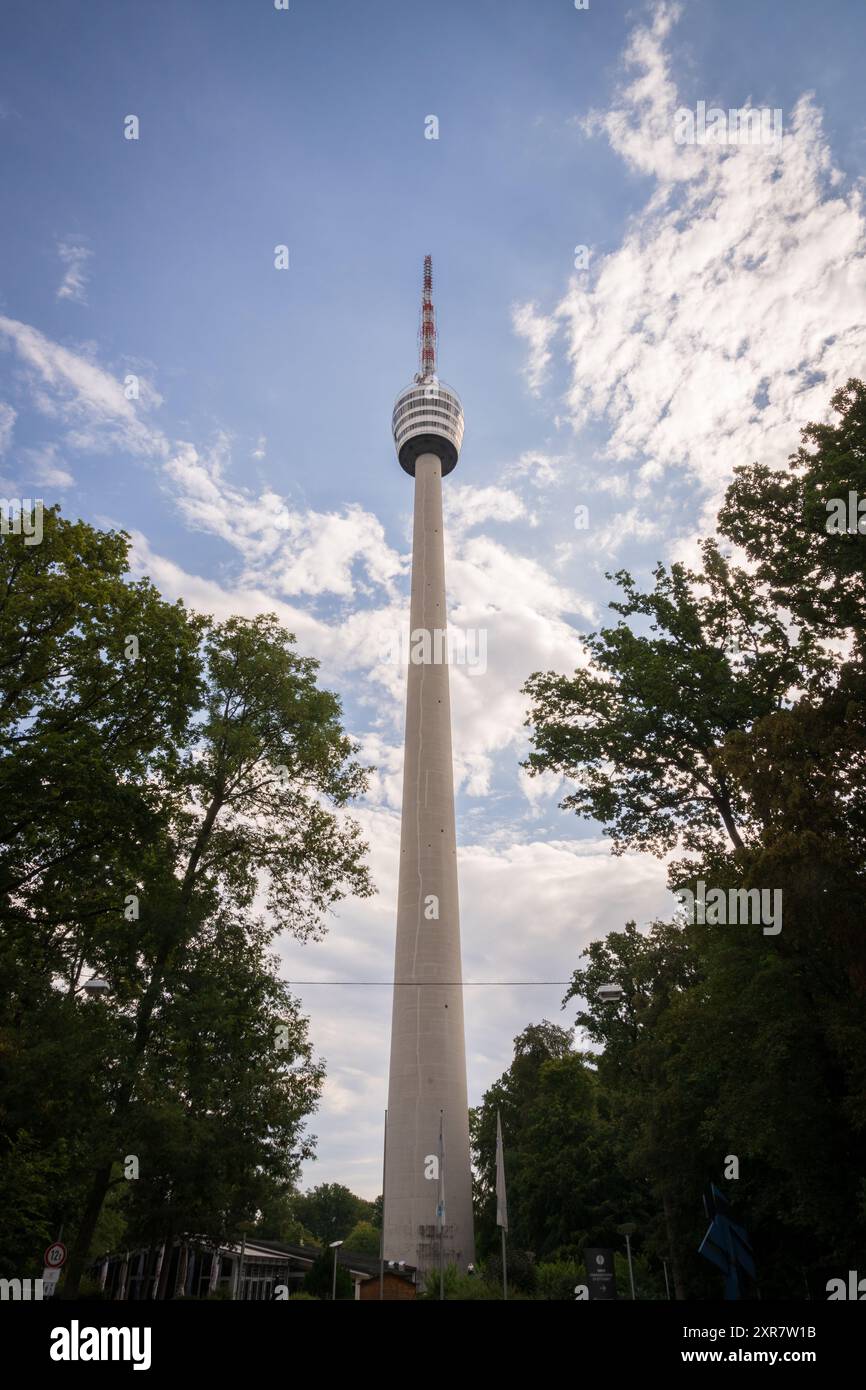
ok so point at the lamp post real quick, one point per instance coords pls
(628, 1231)
(382, 1232)
(335, 1245)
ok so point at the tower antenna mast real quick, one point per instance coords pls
(427, 334)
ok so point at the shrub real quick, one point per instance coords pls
(557, 1279)
(522, 1271)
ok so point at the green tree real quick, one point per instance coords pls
(331, 1211)
(189, 770)
(276, 1217)
(563, 1187)
(98, 675)
(784, 520)
(90, 730)
(228, 1081)
(363, 1239)
(639, 729)
(377, 1216)
(249, 809)
(723, 717)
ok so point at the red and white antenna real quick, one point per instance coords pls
(427, 334)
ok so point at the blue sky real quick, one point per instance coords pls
(723, 302)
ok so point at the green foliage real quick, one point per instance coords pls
(377, 1213)
(649, 1280)
(522, 1270)
(91, 1291)
(277, 1219)
(145, 798)
(780, 518)
(363, 1239)
(331, 1211)
(557, 1144)
(28, 1181)
(557, 1279)
(717, 720)
(221, 1112)
(456, 1286)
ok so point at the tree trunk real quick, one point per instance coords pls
(81, 1248)
(676, 1266)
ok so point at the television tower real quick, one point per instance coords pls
(428, 1183)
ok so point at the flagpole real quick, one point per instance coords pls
(441, 1211)
(382, 1232)
(501, 1202)
(504, 1268)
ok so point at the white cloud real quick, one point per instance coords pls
(537, 467)
(541, 791)
(465, 506)
(73, 285)
(67, 386)
(8, 417)
(736, 302)
(538, 330)
(44, 466)
(610, 537)
(297, 552)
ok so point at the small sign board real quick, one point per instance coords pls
(55, 1255)
(600, 1274)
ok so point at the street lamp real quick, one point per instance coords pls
(628, 1230)
(335, 1245)
(96, 987)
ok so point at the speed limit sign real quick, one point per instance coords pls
(55, 1255)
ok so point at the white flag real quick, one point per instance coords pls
(501, 1203)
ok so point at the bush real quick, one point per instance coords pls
(649, 1282)
(557, 1280)
(522, 1271)
(90, 1289)
(457, 1286)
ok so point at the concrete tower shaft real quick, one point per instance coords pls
(428, 1186)
(428, 1055)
